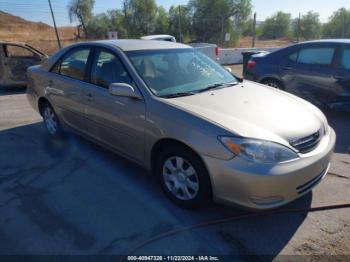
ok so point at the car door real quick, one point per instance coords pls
(310, 74)
(16, 61)
(339, 92)
(116, 121)
(65, 84)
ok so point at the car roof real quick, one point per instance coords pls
(138, 44)
(338, 41)
(150, 37)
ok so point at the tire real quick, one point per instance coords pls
(183, 177)
(51, 121)
(273, 83)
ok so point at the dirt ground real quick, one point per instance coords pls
(237, 70)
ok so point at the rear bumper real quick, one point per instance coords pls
(265, 186)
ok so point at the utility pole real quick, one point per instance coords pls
(222, 30)
(125, 10)
(254, 31)
(298, 33)
(54, 23)
(180, 31)
(343, 29)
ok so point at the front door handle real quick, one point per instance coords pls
(287, 68)
(89, 97)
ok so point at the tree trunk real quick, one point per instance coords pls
(83, 25)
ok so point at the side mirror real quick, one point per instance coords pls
(228, 69)
(123, 89)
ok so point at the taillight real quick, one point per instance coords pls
(251, 64)
(217, 51)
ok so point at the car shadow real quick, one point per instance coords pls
(340, 122)
(70, 196)
(5, 91)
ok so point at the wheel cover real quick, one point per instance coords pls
(273, 84)
(180, 178)
(50, 120)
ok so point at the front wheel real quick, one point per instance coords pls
(183, 177)
(51, 121)
(273, 83)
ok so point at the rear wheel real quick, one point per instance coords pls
(183, 177)
(273, 83)
(51, 120)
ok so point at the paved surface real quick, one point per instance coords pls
(72, 197)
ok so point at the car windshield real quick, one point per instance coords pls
(179, 71)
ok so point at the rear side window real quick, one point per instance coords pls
(107, 69)
(293, 57)
(73, 64)
(14, 51)
(316, 56)
(345, 59)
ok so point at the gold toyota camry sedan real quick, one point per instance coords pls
(206, 134)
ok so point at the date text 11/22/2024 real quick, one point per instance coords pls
(173, 258)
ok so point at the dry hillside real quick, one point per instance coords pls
(37, 34)
(42, 36)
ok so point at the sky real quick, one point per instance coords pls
(38, 10)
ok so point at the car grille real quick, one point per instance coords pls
(308, 143)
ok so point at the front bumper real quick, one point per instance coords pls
(265, 186)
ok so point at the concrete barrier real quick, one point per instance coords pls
(229, 56)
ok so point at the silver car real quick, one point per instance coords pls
(206, 134)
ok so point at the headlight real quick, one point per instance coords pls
(258, 150)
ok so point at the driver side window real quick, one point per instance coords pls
(107, 69)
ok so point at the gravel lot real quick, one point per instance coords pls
(72, 197)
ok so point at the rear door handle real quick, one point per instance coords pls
(340, 77)
(287, 68)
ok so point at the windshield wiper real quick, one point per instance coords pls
(217, 86)
(178, 94)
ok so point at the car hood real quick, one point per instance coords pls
(256, 111)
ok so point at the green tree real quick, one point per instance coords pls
(247, 28)
(180, 15)
(309, 26)
(211, 19)
(98, 26)
(117, 22)
(162, 21)
(140, 17)
(339, 25)
(80, 10)
(276, 26)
